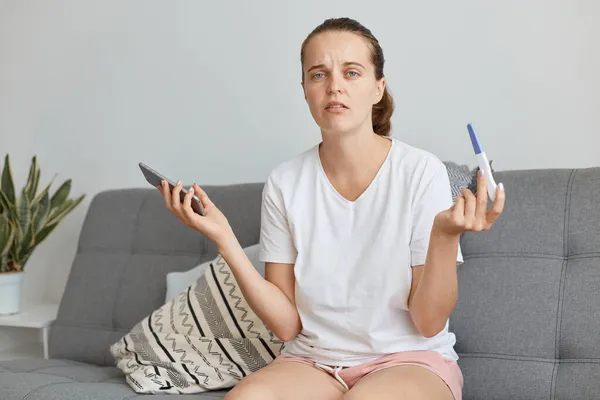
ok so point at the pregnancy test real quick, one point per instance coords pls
(483, 162)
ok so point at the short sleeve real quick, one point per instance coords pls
(433, 195)
(276, 240)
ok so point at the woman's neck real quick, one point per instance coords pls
(350, 153)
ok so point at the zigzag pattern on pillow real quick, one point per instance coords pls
(207, 338)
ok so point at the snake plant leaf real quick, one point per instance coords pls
(15, 249)
(27, 220)
(29, 186)
(5, 203)
(44, 232)
(7, 234)
(62, 210)
(42, 210)
(57, 210)
(61, 194)
(36, 181)
(4, 263)
(27, 245)
(28, 240)
(7, 185)
(24, 207)
(45, 190)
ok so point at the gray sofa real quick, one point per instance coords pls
(526, 321)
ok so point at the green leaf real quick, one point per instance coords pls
(24, 212)
(7, 234)
(59, 209)
(6, 204)
(36, 181)
(61, 212)
(30, 187)
(61, 194)
(44, 191)
(14, 218)
(27, 244)
(27, 220)
(42, 210)
(44, 232)
(4, 263)
(7, 185)
(15, 249)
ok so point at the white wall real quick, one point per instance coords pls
(210, 91)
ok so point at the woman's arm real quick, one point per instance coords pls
(272, 297)
(273, 302)
(434, 290)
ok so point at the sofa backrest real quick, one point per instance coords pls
(525, 321)
(128, 243)
(529, 291)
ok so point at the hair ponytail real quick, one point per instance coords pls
(382, 114)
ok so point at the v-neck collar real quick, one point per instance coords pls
(368, 188)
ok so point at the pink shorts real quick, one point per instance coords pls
(447, 370)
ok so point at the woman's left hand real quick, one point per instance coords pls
(470, 212)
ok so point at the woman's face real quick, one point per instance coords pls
(339, 81)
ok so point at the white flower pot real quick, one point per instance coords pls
(10, 292)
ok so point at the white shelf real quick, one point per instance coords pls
(36, 316)
(40, 316)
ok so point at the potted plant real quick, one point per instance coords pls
(26, 219)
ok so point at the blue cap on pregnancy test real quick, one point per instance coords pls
(474, 139)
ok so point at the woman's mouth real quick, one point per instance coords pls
(336, 107)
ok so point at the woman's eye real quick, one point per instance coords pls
(318, 75)
(353, 73)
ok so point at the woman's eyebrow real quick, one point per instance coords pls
(318, 66)
(346, 64)
(353, 63)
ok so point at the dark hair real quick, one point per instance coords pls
(382, 111)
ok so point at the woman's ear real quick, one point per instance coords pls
(303, 90)
(380, 90)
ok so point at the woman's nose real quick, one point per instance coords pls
(335, 85)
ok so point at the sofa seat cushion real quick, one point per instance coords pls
(39, 379)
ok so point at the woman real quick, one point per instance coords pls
(360, 241)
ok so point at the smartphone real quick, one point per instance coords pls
(154, 178)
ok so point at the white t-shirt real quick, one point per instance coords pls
(353, 258)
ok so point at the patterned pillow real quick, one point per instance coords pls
(205, 338)
(178, 282)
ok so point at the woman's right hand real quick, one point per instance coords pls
(214, 225)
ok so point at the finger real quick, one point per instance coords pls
(493, 214)
(187, 200)
(175, 199)
(482, 201)
(459, 208)
(470, 205)
(164, 190)
(204, 199)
